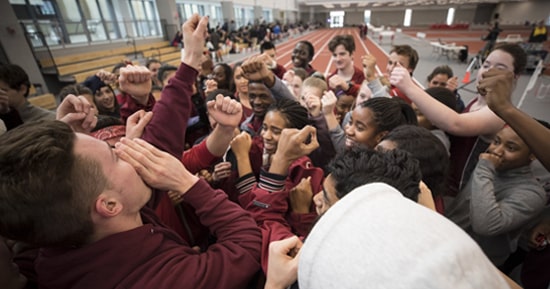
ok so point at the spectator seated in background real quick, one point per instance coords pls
(15, 109)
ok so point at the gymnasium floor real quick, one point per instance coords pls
(535, 102)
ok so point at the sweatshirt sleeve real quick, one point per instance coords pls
(268, 206)
(131, 105)
(490, 216)
(198, 157)
(234, 258)
(378, 90)
(280, 90)
(167, 128)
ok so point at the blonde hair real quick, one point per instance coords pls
(315, 82)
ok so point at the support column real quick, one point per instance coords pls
(258, 14)
(168, 13)
(228, 11)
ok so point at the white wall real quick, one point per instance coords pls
(518, 13)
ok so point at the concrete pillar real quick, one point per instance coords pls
(277, 15)
(168, 13)
(228, 11)
(258, 13)
(16, 46)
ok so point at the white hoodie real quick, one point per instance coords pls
(376, 238)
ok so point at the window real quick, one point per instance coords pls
(144, 13)
(367, 16)
(450, 16)
(407, 19)
(337, 19)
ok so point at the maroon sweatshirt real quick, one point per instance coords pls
(154, 256)
(356, 80)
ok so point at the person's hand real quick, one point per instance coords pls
(497, 86)
(175, 197)
(336, 82)
(4, 102)
(211, 85)
(401, 78)
(452, 83)
(301, 196)
(226, 111)
(289, 77)
(494, 159)
(328, 102)
(369, 66)
(313, 104)
(240, 145)
(269, 61)
(221, 171)
(194, 34)
(294, 143)
(158, 169)
(136, 123)
(136, 81)
(540, 235)
(282, 264)
(106, 76)
(77, 112)
(255, 69)
(206, 175)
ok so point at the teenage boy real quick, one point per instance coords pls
(346, 79)
(400, 55)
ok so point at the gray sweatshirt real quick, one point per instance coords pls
(495, 205)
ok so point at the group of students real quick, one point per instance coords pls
(293, 179)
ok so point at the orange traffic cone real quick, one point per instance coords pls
(466, 78)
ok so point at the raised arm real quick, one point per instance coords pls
(227, 113)
(255, 69)
(480, 122)
(170, 114)
(498, 85)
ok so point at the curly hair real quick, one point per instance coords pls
(428, 150)
(359, 165)
(389, 113)
(292, 111)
